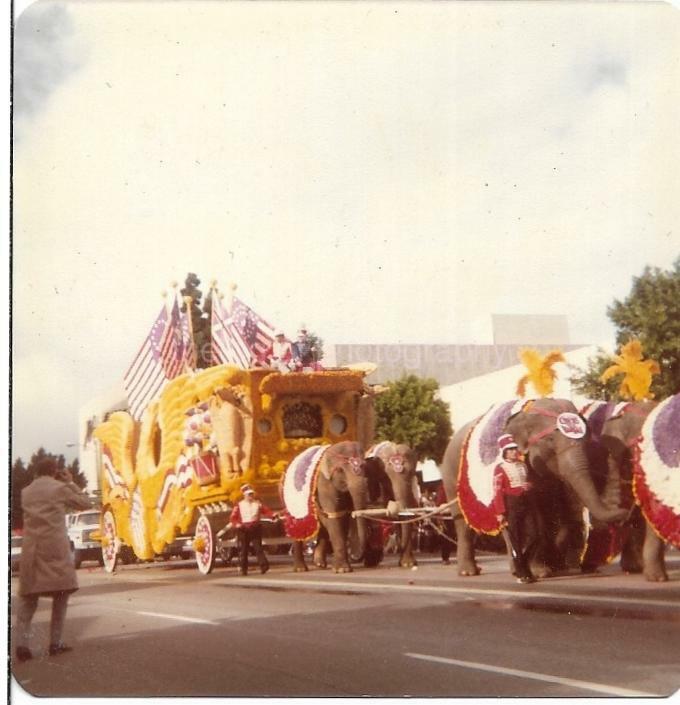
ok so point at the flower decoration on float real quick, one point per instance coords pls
(637, 373)
(540, 371)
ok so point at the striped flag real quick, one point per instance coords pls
(157, 361)
(239, 337)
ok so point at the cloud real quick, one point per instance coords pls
(602, 70)
(44, 56)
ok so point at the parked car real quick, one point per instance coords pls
(15, 552)
(83, 532)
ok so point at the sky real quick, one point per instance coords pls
(383, 172)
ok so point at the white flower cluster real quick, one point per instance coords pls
(662, 480)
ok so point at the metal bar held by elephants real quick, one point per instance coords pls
(441, 510)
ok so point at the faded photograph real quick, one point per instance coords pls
(345, 350)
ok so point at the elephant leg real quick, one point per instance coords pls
(508, 548)
(321, 548)
(299, 565)
(465, 551)
(337, 532)
(653, 562)
(406, 557)
(632, 549)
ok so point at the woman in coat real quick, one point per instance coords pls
(46, 567)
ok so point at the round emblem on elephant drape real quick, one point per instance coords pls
(571, 425)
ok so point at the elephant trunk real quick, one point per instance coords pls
(574, 469)
(359, 493)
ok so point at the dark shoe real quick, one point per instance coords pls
(264, 569)
(23, 654)
(56, 649)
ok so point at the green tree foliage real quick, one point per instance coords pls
(22, 476)
(200, 318)
(317, 343)
(19, 478)
(651, 313)
(587, 382)
(78, 477)
(410, 412)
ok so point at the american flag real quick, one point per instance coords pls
(239, 337)
(158, 360)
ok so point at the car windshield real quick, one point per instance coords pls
(87, 519)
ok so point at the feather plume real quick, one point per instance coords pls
(540, 371)
(637, 373)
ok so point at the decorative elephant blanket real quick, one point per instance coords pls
(656, 470)
(298, 487)
(596, 413)
(478, 458)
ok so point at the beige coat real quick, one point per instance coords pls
(46, 563)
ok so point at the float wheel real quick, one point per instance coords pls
(204, 546)
(110, 542)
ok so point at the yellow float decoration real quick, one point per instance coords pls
(637, 373)
(209, 432)
(540, 371)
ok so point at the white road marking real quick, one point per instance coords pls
(572, 683)
(445, 590)
(176, 617)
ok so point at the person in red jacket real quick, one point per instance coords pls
(513, 504)
(245, 518)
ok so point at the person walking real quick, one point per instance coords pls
(513, 504)
(246, 519)
(46, 567)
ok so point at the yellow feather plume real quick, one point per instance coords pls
(637, 373)
(541, 375)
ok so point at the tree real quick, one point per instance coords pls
(588, 383)
(410, 412)
(19, 478)
(78, 477)
(317, 344)
(22, 475)
(650, 313)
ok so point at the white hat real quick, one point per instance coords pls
(505, 442)
(247, 489)
(278, 333)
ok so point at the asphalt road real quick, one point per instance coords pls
(164, 630)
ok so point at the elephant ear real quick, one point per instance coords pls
(518, 427)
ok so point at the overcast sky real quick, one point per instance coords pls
(386, 173)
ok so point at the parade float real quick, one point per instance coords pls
(177, 473)
(172, 463)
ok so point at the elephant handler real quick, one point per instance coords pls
(513, 504)
(46, 568)
(245, 518)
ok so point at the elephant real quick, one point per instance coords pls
(336, 483)
(391, 470)
(553, 439)
(617, 430)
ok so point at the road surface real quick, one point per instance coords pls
(162, 629)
